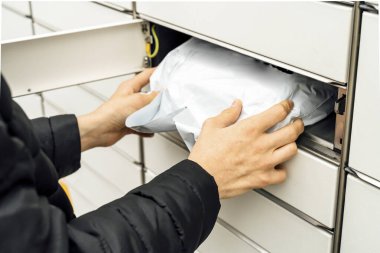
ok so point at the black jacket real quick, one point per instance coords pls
(173, 213)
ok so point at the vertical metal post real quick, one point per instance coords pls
(354, 55)
(134, 11)
(31, 17)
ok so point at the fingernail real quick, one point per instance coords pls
(291, 104)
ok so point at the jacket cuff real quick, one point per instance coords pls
(191, 197)
(67, 147)
(60, 140)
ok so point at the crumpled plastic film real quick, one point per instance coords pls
(198, 80)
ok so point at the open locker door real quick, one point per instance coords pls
(73, 57)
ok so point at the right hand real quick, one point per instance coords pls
(242, 156)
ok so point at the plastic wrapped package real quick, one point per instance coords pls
(198, 80)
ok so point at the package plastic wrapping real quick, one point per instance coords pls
(198, 80)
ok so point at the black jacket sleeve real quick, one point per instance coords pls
(173, 213)
(60, 141)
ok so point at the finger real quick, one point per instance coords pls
(273, 115)
(142, 79)
(227, 117)
(139, 100)
(286, 134)
(284, 153)
(278, 175)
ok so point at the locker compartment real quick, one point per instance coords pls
(114, 168)
(92, 187)
(19, 7)
(273, 227)
(160, 153)
(31, 104)
(71, 15)
(290, 33)
(365, 138)
(361, 221)
(222, 240)
(311, 186)
(14, 25)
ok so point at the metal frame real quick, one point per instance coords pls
(354, 55)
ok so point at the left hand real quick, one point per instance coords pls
(106, 125)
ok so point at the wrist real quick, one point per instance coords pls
(88, 130)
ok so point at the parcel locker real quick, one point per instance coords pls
(306, 203)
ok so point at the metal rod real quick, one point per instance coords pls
(31, 17)
(355, 42)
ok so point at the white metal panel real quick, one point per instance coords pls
(311, 36)
(124, 4)
(14, 26)
(93, 187)
(149, 175)
(70, 15)
(114, 168)
(361, 223)
(72, 100)
(365, 138)
(272, 227)
(223, 241)
(104, 89)
(67, 58)
(38, 29)
(20, 6)
(311, 187)
(161, 154)
(31, 104)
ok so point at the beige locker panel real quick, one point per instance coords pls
(31, 104)
(93, 187)
(79, 202)
(71, 15)
(104, 89)
(311, 187)
(273, 227)
(14, 26)
(127, 5)
(365, 137)
(21, 7)
(41, 30)
(221, 240)
(73, 100)
(114, 168)
(161, 154)
(311, 36)
(361, 222)
(149, 175)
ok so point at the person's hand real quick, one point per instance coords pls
(106, 125)
(242, 156)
